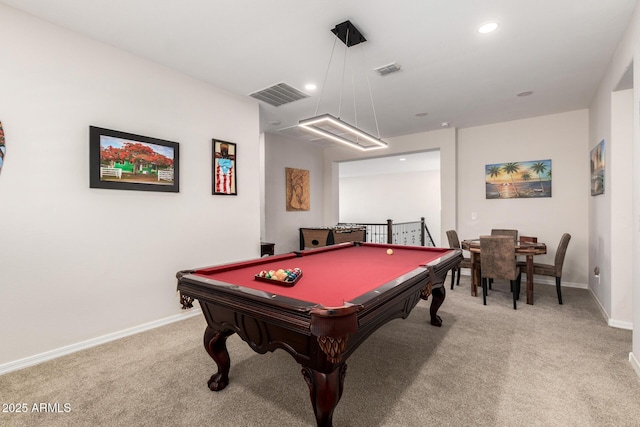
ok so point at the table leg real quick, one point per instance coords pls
(530, 279)
(437, 294)
(475, 274)
(215, 342)
(325, 391)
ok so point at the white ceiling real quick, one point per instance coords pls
(405, 163)
(559, 49)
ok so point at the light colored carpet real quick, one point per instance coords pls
(542, 365)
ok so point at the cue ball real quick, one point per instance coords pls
(389, 251)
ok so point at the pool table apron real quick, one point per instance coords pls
(319, 338)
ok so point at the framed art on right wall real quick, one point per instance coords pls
(597, 169)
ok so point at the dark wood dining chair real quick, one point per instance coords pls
(499, 262)
(527, 239)
(454, 243)
(555, 269)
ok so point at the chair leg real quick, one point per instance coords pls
(514, 286)
(484, 291)
(458, 281)
(558, 279)
(490, 283)
(518, 283)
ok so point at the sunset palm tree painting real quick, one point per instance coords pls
(518, 180)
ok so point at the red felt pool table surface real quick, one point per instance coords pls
(331, 276)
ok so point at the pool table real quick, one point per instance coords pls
(344, 294)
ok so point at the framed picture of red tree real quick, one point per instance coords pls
(124, 161)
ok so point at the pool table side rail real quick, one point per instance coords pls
(400, 301)
(399, 295)
(196, 286)
(444, 263)
(231, 266)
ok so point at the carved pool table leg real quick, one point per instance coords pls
(437, 295)
(325, 391)
(215, 342)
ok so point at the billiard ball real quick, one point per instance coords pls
(389, 251)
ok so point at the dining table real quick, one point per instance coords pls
(528, 249)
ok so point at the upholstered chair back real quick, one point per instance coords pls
(498, 257)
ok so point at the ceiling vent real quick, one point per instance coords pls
(387, 69)
(279, 94)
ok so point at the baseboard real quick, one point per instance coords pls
(634, 363)
(543, 280)
(63, 351)
(550, 281)
(620, 324)
(604, 313)
(611, 322)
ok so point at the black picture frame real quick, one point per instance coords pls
(224, 175)
(125, 161)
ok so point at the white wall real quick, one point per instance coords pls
(374, 199)
(604, 211)
(561, 138)
(610, 217)
(620, 185)
(79, 263)
(282, 227)
(443, 140)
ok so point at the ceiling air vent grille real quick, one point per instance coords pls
(279, 94)
(387, 69)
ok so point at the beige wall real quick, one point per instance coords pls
(561, 138)
(81, 264)
(620, 186)
(608, 213)
(282, 227)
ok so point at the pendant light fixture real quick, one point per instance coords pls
(331, 127)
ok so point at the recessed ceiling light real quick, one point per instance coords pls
(489, 27)
(310, 86)
(526, 93)
(402, 159)
(444, 124)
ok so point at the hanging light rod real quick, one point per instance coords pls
(333, 128)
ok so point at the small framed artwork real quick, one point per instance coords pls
(224, 173)
(597, 169)
(124, 161)
(3, 149)
(298, 197)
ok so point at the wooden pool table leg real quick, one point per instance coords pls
(325, 391)
(438, 294)
(215, 342)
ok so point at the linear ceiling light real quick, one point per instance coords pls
(333, 128)
(339, 131)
